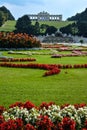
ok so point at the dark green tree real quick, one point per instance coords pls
(79, 16)
(7, 13)
(50, 30)
(67, 29)
(23, 25)
(36, 28)
(2, 18)
(82, 28)
(43, 27)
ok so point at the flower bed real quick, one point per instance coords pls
(19, 40)
(74, 53)
(48, 116)
(16, 59)
(52, 69)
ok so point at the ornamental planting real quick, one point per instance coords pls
(48, 116)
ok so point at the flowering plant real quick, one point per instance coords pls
(19, 40)
(48, 116)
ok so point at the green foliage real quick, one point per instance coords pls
(50, 30)
(57, 24)
(70, 29)
(82, 28)
(23, 25)
(2, 18)
(43, 28)
(36, 28)
(79, 16)
(78, 28)
(9, 25)
(5, 15)
(67, 29)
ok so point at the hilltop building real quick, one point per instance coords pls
(45, 16)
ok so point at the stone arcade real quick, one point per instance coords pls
(45, 16)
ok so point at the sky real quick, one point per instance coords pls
(67, 8)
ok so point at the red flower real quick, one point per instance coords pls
(79, 105)
(29, 127)
(19, 104)
(68, 123)
(9, 125)
(58, 126)
(46, 105)
(65, 105)
(44, 123)
(12, 125)
(29, 105)
(1, 119)
(2, 109)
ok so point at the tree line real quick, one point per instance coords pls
(24, 25)
(79, 26)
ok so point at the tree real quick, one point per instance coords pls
(7, 13)
(37, 28)
(24, 25)
(67, 29)
(2, 18)
(79, 16)
(50, 30)
(43, 28)
(82, 28)
(81, 41)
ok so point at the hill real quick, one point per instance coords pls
(6, 13)
(9, 25)
(79, 16)
(57, 24)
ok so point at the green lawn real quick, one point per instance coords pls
(57, 24)
(20, 84)
(9, 26)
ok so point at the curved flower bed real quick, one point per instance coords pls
(52, 69)
(74, 53)
(48, 116)
(16, 59)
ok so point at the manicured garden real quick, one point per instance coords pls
(21, 78)
(36, 76)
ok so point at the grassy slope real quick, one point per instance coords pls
(57, 24)
(28, 84)
(10, 25)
